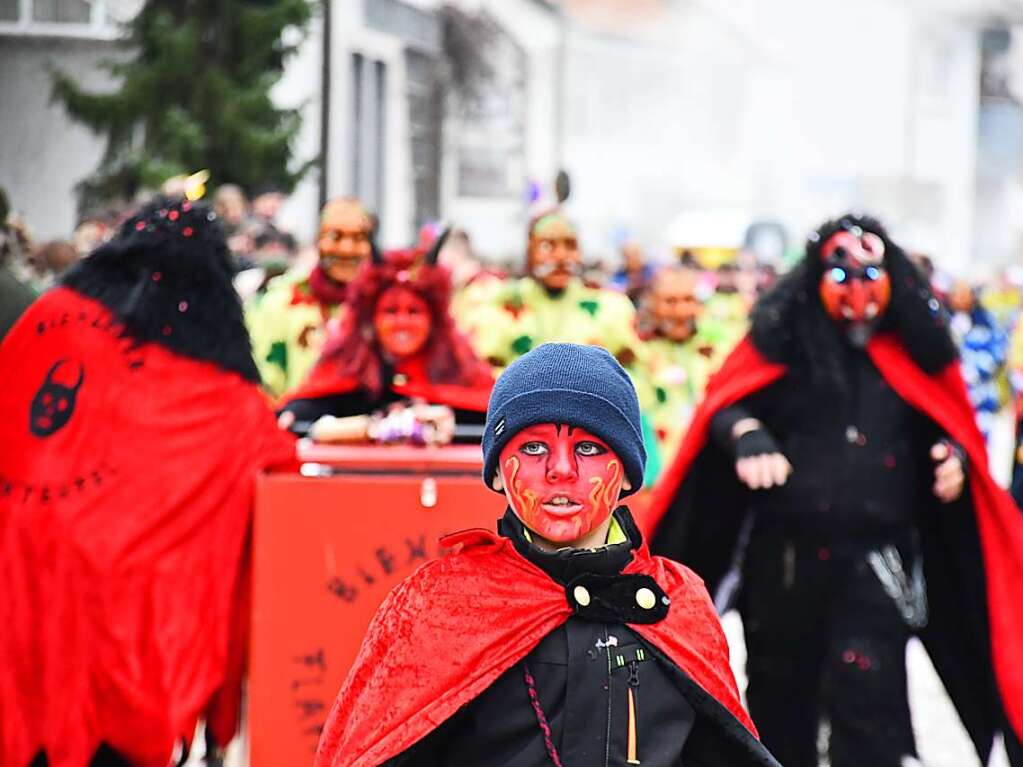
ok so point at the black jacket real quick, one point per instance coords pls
(584, 672)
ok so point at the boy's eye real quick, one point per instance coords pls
(534, 448)
(589, 448)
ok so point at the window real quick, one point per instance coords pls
(83, 18)
(9, 10)
(367, 129)
(62, 11)
(491, 135)
(425, 112)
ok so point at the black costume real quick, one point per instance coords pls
(821, 632)
(582, 672)
(854, 553)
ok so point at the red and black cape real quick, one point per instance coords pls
(451, 629)
(127, 474)
(973, 549)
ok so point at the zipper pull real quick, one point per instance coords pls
(634, 673)
(632, 746)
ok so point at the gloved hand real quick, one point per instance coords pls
(759, 462)
(754, 443)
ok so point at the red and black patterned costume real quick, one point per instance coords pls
(832, 560)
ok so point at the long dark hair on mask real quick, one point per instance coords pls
(789, 324)
(166, 275)
(355, 350)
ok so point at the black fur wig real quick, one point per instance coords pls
(789, 324)
(167, 276)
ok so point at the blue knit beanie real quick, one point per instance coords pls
(571, 384)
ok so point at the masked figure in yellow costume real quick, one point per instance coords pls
(552, 304)
(288, 322)
(683, 348)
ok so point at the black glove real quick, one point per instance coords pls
(755, 442)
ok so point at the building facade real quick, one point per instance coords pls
(43, 154)
(655, 108)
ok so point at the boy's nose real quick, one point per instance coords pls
(561, 465)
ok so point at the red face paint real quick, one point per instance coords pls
(402, 322)
(855, 288)
(562, 482)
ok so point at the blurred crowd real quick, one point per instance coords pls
(354, 343)
(669, 317)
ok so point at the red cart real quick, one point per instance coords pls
(329, 545)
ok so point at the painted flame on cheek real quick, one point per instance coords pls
(525, 501)
(610, 491)
(614, 484)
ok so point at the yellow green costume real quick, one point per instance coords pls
(1004, 303)
(728, 315)
(474, 297)
(522, 314)
(519, 315)
(287, 324)
(676, 374)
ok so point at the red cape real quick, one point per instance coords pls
(124, 520)
(324, 381)
(491, 606)
(943, 399)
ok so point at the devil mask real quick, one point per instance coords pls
(344, 239)
(402, 322)
(562, 482)
(674, 304)
(554, 257)
(855, 288)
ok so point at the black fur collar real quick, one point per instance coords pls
(167, 276)
(789, 324)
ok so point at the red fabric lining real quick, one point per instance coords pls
(418, 664)
(944, 400)
(742, 373)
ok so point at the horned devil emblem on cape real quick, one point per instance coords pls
(54, 403)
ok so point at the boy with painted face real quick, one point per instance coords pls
(562, 482)
(558, 640)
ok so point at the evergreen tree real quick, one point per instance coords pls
(194, 93)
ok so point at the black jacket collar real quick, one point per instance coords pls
(565, 565)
